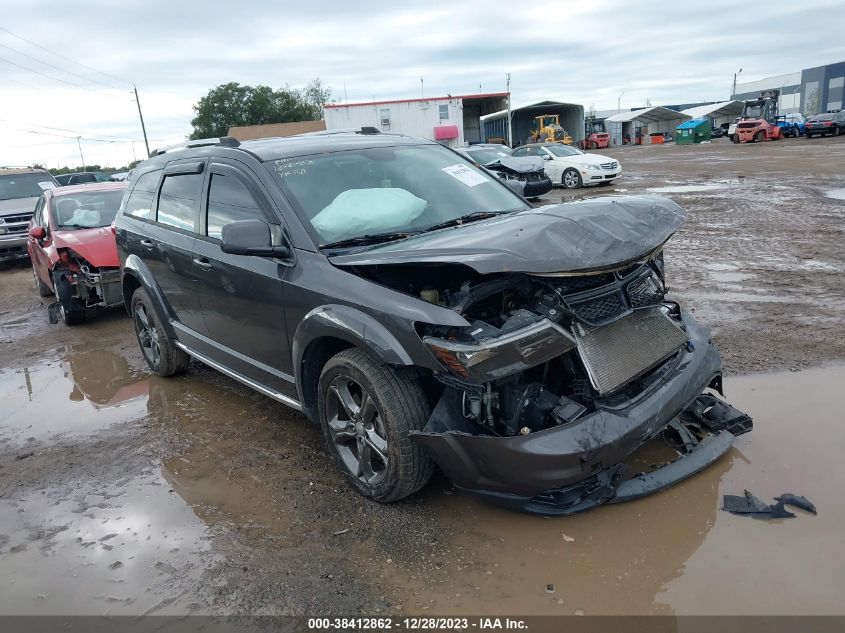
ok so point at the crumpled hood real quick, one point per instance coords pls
(522, 165)
(17, 205)
(95, 245)
(580, 236)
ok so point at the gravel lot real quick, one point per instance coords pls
(123, 493)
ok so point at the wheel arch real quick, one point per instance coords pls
(330, 329)
(134, 275)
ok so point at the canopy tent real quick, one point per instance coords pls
(654, 114)
(722, 110)
(571, 115)
(655, 119)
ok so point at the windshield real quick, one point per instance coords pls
(753, 112)
(86, 210)
(563, 150)
(405, 189)
(14, 186)
(487, 155)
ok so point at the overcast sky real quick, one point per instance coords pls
(175, 51)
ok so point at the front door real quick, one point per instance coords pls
(242, 297)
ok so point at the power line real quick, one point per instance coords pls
(59, 55)
(69, 83)
(62, 129)
(95, 140)
(69, 72)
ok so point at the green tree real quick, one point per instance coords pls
(233, 104)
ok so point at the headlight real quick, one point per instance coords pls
(503, 355)
(3, 231)
(591, 167)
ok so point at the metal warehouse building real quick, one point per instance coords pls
(453, 121)
(808, 91)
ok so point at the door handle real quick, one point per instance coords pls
(148, 244)
(203, 263)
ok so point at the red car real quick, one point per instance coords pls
(71, 245)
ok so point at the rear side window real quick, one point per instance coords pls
(229, 201)
(140, 201)
(178, 202)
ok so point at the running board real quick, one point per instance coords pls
(249, 382)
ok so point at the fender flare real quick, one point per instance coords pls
(347, 324)
(135, 267)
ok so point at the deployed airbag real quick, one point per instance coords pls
(85, 217)
(365, 211)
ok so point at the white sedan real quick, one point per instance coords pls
(571, 167)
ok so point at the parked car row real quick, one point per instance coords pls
(795, 124)
(407, 300)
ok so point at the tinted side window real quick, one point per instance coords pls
(229, 201)
(178, 202)
(520, 151)
(140, 201)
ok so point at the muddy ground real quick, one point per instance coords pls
(124, 493)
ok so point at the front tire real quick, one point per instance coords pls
(366, 411)
(571, 179)
(836, 131)
(42, 288)
(161, 354)
(70, 310)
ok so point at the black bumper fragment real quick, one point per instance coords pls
(578, 466)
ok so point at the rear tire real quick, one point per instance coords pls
(836, 131)
(366, 410)
(161, 354)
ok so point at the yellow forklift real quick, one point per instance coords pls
(548, 129)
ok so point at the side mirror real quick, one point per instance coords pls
(37, 232)
(546, 157)
(250, 237)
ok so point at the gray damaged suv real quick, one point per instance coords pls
(422, 313)
(20, 188)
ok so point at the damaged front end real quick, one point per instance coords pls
(559, 379)
(568, 367)
(80, 285)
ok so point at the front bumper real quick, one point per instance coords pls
(591, 177)
(534, 188)
(13, 245)
(577, 466)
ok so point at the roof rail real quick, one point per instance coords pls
(226, 141)
(366, 129)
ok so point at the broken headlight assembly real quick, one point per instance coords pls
(501, 356)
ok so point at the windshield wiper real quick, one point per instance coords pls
(363, 240)
(469, 217)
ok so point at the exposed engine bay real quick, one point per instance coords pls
(86, 285)
(541, 349)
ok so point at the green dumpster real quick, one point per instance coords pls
(693, 131)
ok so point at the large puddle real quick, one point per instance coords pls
(675, 552)
(140, 543)
(79, 392)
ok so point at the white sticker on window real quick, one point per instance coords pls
(466, 175)
(46, 185)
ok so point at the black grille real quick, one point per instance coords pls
(644, 292)
(600, 309)
(569, 285)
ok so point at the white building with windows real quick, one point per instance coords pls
(452, 120)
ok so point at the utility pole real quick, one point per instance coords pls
(733, 88)
(79, 145)
(510, 128)
(619, 103)
(141, 116)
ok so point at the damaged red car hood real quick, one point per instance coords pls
(95, 245)
(589, 235)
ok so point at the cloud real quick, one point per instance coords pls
(176, 51)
